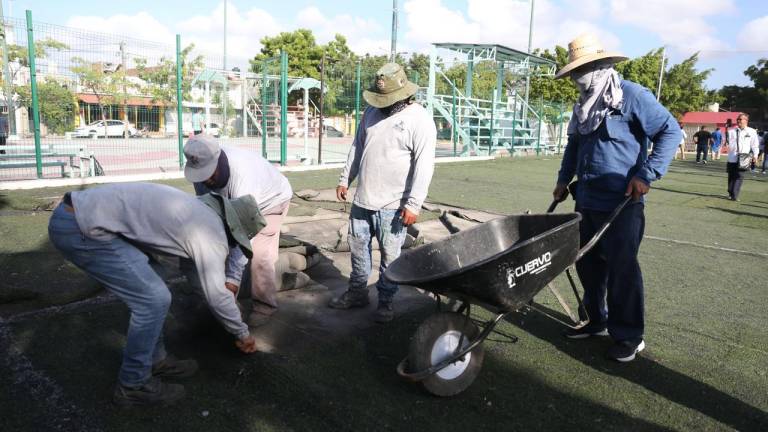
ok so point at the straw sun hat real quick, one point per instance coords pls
(586, 49)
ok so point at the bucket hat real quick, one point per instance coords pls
(391, 85)
(586, 49)
(241, 217)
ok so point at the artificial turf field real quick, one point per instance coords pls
(705, 366)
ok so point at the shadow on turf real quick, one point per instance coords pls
(740, 213)
(350, 385)
(665, 189)
(647, 372)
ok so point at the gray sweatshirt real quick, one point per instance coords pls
(166, 220)
(249, 174)
(392, 158)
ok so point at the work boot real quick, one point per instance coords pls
(153, 392)
(350, 299)
(171, 367)
(384, 312)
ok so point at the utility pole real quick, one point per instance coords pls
(661, 72)
(393, 48)
(225, 99)
(7, 74)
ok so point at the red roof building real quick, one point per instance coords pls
(691, 122)
(708, 118)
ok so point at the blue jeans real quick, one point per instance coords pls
(388, 228)
(125, 271)
(610, 272)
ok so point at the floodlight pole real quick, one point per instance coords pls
(225, 101)
(661, 72)
(528, 71)
(393, 48)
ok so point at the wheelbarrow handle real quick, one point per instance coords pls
(555, 202)
(571, 188)
(593, 241)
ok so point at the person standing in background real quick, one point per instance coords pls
(3, 132)
(197, 123)
(702, 138)
(741, 140)
(681, 146)
(717, 141)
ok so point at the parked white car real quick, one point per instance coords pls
(214, 130)
(114, 128)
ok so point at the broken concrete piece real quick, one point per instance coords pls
(307, 194)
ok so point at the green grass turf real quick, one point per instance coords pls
(704, 368)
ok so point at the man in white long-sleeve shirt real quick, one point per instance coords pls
(104, 231)
(741, 140)
(392, 158)
(233, 173)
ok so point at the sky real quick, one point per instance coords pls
(730, 35)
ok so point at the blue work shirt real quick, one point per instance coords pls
(605, 160)
(717, 138)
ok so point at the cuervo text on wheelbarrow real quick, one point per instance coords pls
(534, 266)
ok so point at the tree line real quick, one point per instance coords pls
(683, 87)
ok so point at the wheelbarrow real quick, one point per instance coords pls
(499, 265)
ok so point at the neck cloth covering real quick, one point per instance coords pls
(599, 91)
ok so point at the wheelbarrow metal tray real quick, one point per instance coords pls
(502, 263)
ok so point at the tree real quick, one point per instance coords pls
(562, 90)
(683, 88)
(18, 59)
(303, 52)
(160, 79)
(752, 100)
(56, 102)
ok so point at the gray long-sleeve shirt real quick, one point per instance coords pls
(393, 159)
(166, 220)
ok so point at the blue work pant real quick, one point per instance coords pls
(610, 272)
(388, 229)
(125, 271)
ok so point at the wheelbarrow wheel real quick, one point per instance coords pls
(435, 341)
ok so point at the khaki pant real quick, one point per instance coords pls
(266, 245)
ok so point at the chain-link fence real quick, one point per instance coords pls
(95, 94)
(81, 103)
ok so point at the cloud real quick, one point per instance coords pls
(503, 22)
(683, 24)
(360, 33)
(141, 25)
(754, 35)
(106, 38)
(244, 33)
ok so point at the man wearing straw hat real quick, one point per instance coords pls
(106, 232)
(392, 158)
(608, 140)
